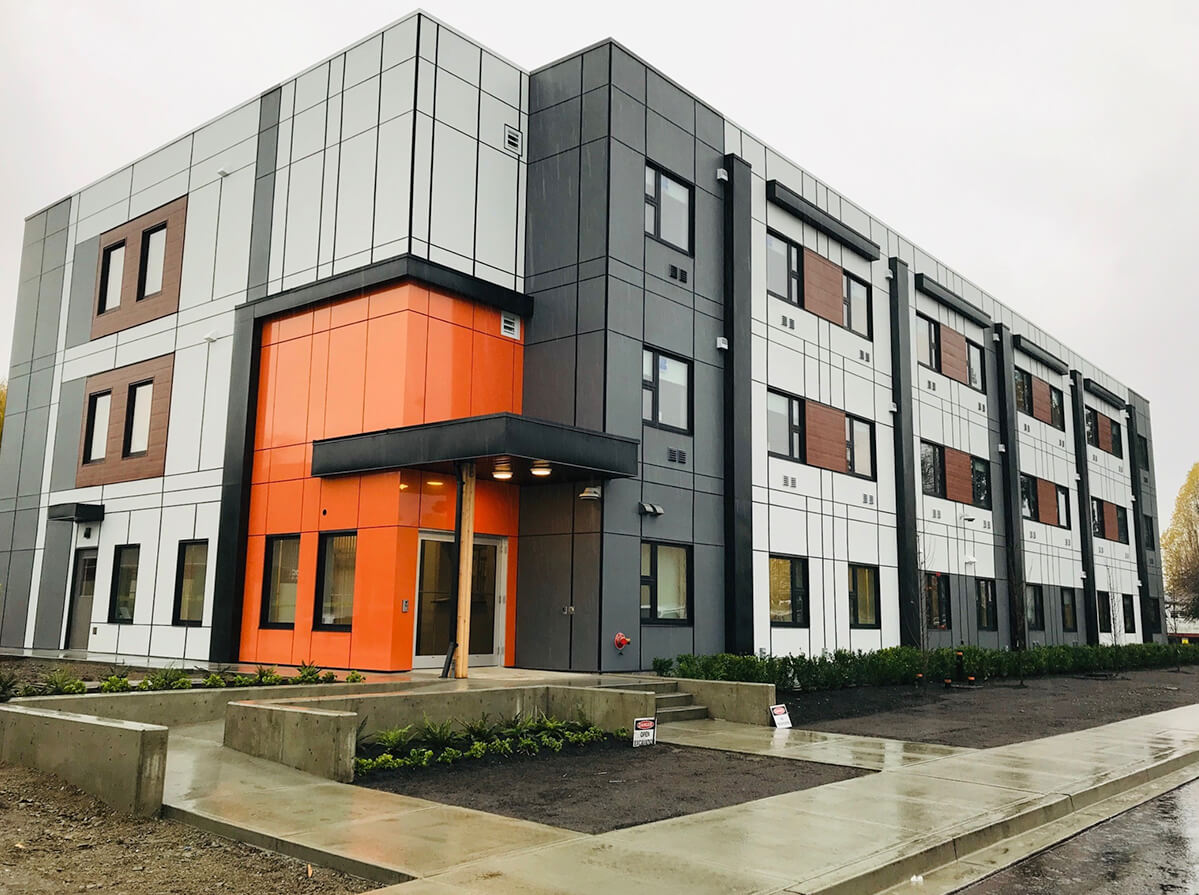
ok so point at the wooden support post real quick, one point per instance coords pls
(466, 562)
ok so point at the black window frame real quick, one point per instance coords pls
(656, 201)
(854, 624)
(850, 443)
(89, 429)
(797, 564)
(263, 609)
(938, 459)
(796, 408)
(1117, 433)
(1033, 497)
(1070, 627)
(985, 465)
(982, 367)
(846, 305)
(1151, 614)
(1098, 520)
(1063, 504)
(177, 618)
(1122, 534)
(1103, 603)
(144, 260)
(1022, 391)
(653, 385)
(105, 262)
(794, 270)
(934, 347)
(938, 584)
(130, 408)
(1034, 609)
(1129, 613)
(1057, 412)
(1142, 452)
(116, 577)
(986, 606)
(651, 581)
(1150, 532)
(318, 593)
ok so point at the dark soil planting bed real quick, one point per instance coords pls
(607, 785)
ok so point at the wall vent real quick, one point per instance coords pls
(513, 139)
(509, 325)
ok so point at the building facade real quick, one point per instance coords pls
(713, 404)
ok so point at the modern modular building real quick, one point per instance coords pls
(713, 404)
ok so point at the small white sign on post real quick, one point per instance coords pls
(780, 716)
(645, 731)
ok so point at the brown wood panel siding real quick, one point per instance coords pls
(953, 355)
(822, 287)
(1110, 530)
(114, 467)
(959, 484)
(1041, 408)
(131, 312)
(825, 437)
(1046, 501)
(1105, 431)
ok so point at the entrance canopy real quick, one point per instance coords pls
(499, 443)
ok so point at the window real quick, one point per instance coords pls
(1122, 525)
(976, 366)
(1028, 497)
(1097, 523)
(783, 277)
(855, 297)
(665, 586)
(154, 248)
(1024, 391)
(784, 426)
(112, 271)
(667, 209)
(936, 602)
(1143, 452)
(280, 581)
(1063, 506)
(1069, 610)
(1151, 615)
(1104, 601)
(1092, 427)
(788, 591)
(932, 468)
(928, 342)
(980, 476)
(988, 617)
(190, 575)
(859, 447)
(1057, 408)
(1130, 619)
(124, 583)
(95, 441)
(1150, 534)
(1034, 607)
(1117, 439)
(665, 391)
(137, 418)
(863, 597)
(335, 580)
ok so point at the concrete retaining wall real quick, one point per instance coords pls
(315, 740)
(732, 700)
(122, 763)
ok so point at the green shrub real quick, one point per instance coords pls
(169, 678)
(214, 681)
(266, 676)
(60, 682)
(328, 678)
(116, 683)
(241, 680)
(663, 667)
(439, 735)
(307, 673)
(9, 686)
(449, 755)
(354, 677)
(482, 729)
(393, 738)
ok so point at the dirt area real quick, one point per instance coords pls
(55, 839)
(997, 712)
(29, 671)
(609, 785)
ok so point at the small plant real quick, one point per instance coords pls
(60, 682)
(214, 681)
(328, 678)
(9, 686)
(439, 734)
(354, 678)
(394, 738)
(449, 755)
(266, 676)
(307, 673)
(116, 683)
(477, 749)
(663, 667)
(169, 678)
(242, 680)
(528, 746)
(499, 746)
(550, 742)
(481, 729)
(622, 733)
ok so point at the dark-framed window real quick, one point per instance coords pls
(859, 447)
(1103, 599)
(667, 208)
(112, 271)
(1028, 497)
(784, 270)
(788, 591)
(1150, 533)
(980, 480)
(988, 615)
(937, 614)
(1069, 610)
(1023, 383)
(665, 390)
(665, 583)
(1057, 407)
(280, 581)
(137, 418)
(124, 583)
(191, 574)
(976, 366)
(1063, 506)
(1151, 616)
(153, 259)
(1122, 525)
(855, 300)
(928, 342)
(864, 602)
(336, 562)
(1097, 521)
(932, 468)
(784, 425)
(1142, 452)
(1092, 424)
(95, 440)
(1034, 607)
(1117, 439)
(1130, 618)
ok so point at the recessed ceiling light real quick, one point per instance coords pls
(433, 483)
(502, 471)
(540, 468)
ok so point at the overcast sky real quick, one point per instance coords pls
(1047, 151)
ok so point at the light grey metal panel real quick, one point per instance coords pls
(49, 311)
(555, 129)
(363, 61)
(628, 74)
(33, 451)
(52, 588)
(670, 102)
(397, 92)
(452, 213)
(495, 227)
(501, 80)
(302, 233)
(16, 598)
(18, 394)
(669, 146)
(458, 55)
(54, 254)
(399, 41)
(551, 86)
(7, 520)
(457, 103)
(82, 294)
(548, 381)
(626, 226)
(312, 87)
(393, 185)
(40, 383)
(67, 433)
(360, 108)
(35, 229)
(31, 260)
(10, 453)
(24, 535)
(356, 195)
(25, 321)
(553, 208)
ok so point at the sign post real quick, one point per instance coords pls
(780, 716)
(645, 731)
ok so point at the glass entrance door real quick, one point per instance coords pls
(436, 602)
(82, 590)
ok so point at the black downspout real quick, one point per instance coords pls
(905, 456)
(1090, 597)
(1013, 527)
(1138, 521)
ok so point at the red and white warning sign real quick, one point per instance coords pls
(780, 716)
(645, 731)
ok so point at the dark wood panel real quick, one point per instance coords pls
(1105, 432)
(1109, 521)
(822, 287)
(954, 363)
(825, 434)
(959, 484)
(1041, 408)
(1046, 501)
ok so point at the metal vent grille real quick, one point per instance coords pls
(513, 139)
(510, 326)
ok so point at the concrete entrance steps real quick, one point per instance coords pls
(671, 705)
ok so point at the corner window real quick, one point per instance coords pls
(976, 366)
(1063, 506)
(95, 439)
(928, 342)
(1150, 533)
(1057, 408)
(1097, 520)
(280, 581)
(665, 585)
(783, 276)
(667, 209)
(112, 271)
(784, 426)
(1092, 419)
(190, 577)
(788, 591)
(124, 583)
(1151, 615)
(1143, 452)
(980, 476)
(1034, 607)
(137, 418)
(1069, 610)
(1117, 439)
(1028, 497)
(336, 561)
(1103, 600)
(154, 248)
(988, 617)
(859, 447)
(665, 390)
(932, 468)
(1023, 385)
(1130, 619)
(863, 597)
(1122, 525)
(936, 602)
(855, 299)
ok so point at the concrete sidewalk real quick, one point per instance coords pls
(859, 835)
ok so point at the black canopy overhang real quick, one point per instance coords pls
(573, 453)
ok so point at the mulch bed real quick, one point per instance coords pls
(608, 785)
(997, 712)
(29, 670)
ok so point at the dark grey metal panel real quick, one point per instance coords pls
(7, 519)
(33, 451)
(620, 583)
(670, 146)
(589, 383)
(669, 101)
(82, 293)
(626, 223)
(67, 432)
(553, 213)
(628, 73)
(264, 194)
(556, 84)
(16, 598)
(18, 394)
(709, 127)
(593, 189)
(911, 621)
(1089, 603)
(555, 129)
(665, 642)
(1009, 490)
(595, 115)
(585, 601)
(52, 588)
(543, 585)
(596, 63)
(555, 317)
(549, 373)
(628, 120)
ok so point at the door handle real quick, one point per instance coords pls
(568, 610)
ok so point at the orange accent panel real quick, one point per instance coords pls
(318, 384)
(451, 309)
(395, 372)
(284, 507)
(339, 503)
(330, 649)
(447, 372)
(291, 462)
(346, 380)
(1041, 407)
(497, 508)
(410, 497)
(823, 285)
(294, 326)
(261, 469)
(518, 378)
(351, 310)
(437, 501)
(1105, 432)
(487, 320)
(406, 297)
(305, 598)
(263, 424)
(251, 609)
(1111, 529)
(320, 319)
(290, 404)
(491, 375)
(954, 362)
(379, 500)
(825, 435)
(258, 501)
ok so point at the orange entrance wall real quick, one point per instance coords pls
(400, 356)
